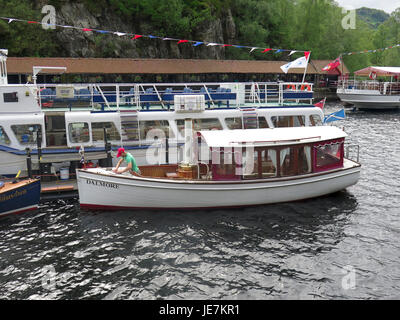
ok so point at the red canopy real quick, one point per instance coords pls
(380, 71)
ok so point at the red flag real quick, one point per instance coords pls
(266, 50)
(182, 41)
(32, 22)
(137, 36)
(307, 54)
(334, 64)
(320, 104)
(87, 29)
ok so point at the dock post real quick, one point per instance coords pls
(29, 162)
(107, 147)
(39, 150)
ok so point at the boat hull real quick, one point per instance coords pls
(99, 190)
(21, 197)
(370, 101)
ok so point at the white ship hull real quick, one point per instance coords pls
(363, 99)
(101, 189)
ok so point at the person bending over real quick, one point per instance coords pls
(130, 160)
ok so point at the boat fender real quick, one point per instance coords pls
(306, 87)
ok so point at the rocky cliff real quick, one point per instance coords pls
(75, 43)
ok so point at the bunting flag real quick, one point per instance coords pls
(133, 36)
(298, 63)
(321, 104)
(335, 116)
(332, 65)
(371, 51)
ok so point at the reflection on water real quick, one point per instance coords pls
(344, 245)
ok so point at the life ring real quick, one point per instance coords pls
(307, 87)
(291, 87)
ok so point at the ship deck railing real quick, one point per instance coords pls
(385, 88)
(145, 96)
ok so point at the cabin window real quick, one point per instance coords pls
(200, 125)
(315, 120)
(250, 164)
(155, 130)
(304, 165)
(328, 155)
(268, 163)
(234, 123)
(4, 140)
(224, 164)
(98, 131)
(262, 122)
(288, 121)
(10, 97)
(26, 133)
(78, 132)
(288, 161)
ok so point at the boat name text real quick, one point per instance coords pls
(103, 184)
(16, 194)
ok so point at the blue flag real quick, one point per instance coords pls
(338, 115)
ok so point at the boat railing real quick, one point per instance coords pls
(352, 152)
(385, 88)
(153, 96)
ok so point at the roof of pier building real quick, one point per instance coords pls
(24, 65)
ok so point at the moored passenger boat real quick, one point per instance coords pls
(244, 168)
(53, 122)
(371, 93)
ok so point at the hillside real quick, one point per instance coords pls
(373, 17)
(299, 25)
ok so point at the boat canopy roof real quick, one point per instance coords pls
(380, 71)
(270, 137)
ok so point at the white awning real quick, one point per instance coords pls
(270, 137)
(380, 71)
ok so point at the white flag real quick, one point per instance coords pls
(298, 63)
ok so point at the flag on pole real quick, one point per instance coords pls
(338, 115)
(334, 64)
(321, 104)
(298, 63)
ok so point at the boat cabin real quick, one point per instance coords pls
(261, 154)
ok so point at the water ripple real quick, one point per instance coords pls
(297, 250)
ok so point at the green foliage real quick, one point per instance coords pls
(373, 17)
(314, 25)
(24, 39)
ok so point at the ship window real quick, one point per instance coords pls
(155, 130)
(4, 137)
(78, 132)
(26, 133)
(315, 120)
(250, 164)
(268, 163)
(98, 131)
(328, 155)
(287, 162)
(304, 160)
(288, 121)
(200, 125)
(262, 122)
(234, 123)
(224, 165)
(10, 97)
